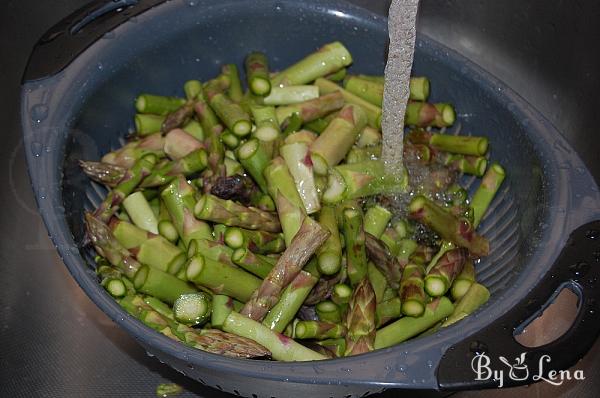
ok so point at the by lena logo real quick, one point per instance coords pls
(519, 371)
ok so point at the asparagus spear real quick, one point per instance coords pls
(260, 242)
(282, 348)
(132, 152)
(329, 58)
(328, 311)
(178, 118)
(156, 104)
(412, 293)
(290, 302)
(297, 159)
(256, 264)
(419, 87)
(336, 346)
(157, 283)
(291, 95)
(334, 143)
(424, 114)
(337, 76)
(373, 111)
(126, 185)
(475, 297)
(440, 278)
(378, 281)
(407, 327)
(231, 113)
(360, 319)
(319, 330)
(463, 281)
(341, 294)
(234, 91)
(466, 145)
(257, 73)
(354, 236)
(221, 278)
(139, 211)
(289, 205)
(376, 220)
(146, 124)
(104, 173)
(310, 236)
(191, 163)
(213, 250)
(254, 158)
(357, 154)
(212, 208)
(222, 305)
(474, 165)
(311, 110)
(486, 191)
(369, 136)
(368, 90)
(267, 126)
(388, 310)
(113, 281)
(179, 200)
(329, 255)
(193, 308)
(449, 227)
(383, 260)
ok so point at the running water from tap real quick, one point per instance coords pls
(402, 32)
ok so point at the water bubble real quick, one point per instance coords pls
(580, 268)
(39, 113)
(429, 364)
(36, 149)
(109, 35)
(592, 234)
(100, 66)
(192, 3)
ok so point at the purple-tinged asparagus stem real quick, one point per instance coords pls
(311, 110)
(412, 294)
(191, 163)
(104, 173)
(440, 277)
(449, 227)
(308, 239)
(423, 114)
(178, 118)
(319, 330)
(178, 144)
(257, 73)
(360, 319)
(463, 281)
(354, 237)
(384, 260)
(388, 310)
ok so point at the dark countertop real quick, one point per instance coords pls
(55, 342)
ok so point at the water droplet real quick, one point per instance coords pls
(109, 35)
(39, 113)
(580, 170)
(42, 193)
(580, 268)
(100, 66)
(36, 149)
(192, 3)
(592, 234)
(429, 364)
(478, 347)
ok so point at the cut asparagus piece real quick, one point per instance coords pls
(297, 159)
(212, 208)
(360, 319)
(256, 264)
(388, 310)
(440, 278)
(424, 114)
(267, 126)
(192, 309)
(328, 311)
(290, 302)
(222, 305)
(131, 152)
(475, 297)
(463, 281)
(329, 255)
(318, 330)
(354, 236)
(221, 278)
(214, 250)
(254, 158)
(311, 110)
(156, 104)
(384, 260)
(104, 173)
(407, 327)
(234, 91)
(310, 236)
(282, 348)
(369, 136)
(486, 191)
(378, 281)
(291, 95)
(257, 73)
(178, 118)
(412, 293)
(376, 220)
(139, 211)
(449, 227)
(341, 294)
(334, 143)
(146, 124)
(328, 59)
(260, 242)
(474, 165)
(157, 283)
(465, 145)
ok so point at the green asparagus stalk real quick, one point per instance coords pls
(282, 348)
(336, 346)
(334, 143)
(257, 73)
(486, 191)
(104, 173)
(139, 211)
(178, 118)
(191, 163)
(368, 90)
(354, 236)
(160, 307)
(230, 140)
(376, 220)
(179, 200)
(378, 281)
(466, 145)
(311, 110)
(369, 136)
(213, 129)
(407, 327)
(463, 281)
(210, 249)
(222, 305)
(231, 113)
(212, 208)
(405, 250)
(338, 76)
(424, 114)
(256, 264)
(319, 330)
(146, 124)
(444, 248)
(440, 278)
(385, 262)
(297, 159)
(290, 302)
(267, 126)
(234, 91)
(291, 95)
(412, 293)
(192, 309)
(282, 189)
(255, 159)
(113, 281)
(157, 283)
(329, 255)
(132, 152)
(388, 310)
(260, 242)
(360, 319)
(328, 59)
(449, 227)
(474, 165)
(357, 154)
(194, 129)
(126, 185)
(310, 236)
(328, 311)
(192, 89)
(373, 112)
(341, 294)
(351, 181)
(221, 278)
(475, 297)
(156, 104)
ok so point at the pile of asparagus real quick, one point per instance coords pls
(260, 223)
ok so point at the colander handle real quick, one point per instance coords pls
(579, 266)
(62, 43)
